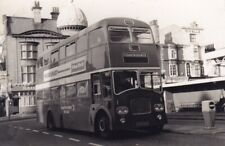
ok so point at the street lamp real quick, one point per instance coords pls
(8, 100)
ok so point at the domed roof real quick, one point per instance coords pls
(70, 16)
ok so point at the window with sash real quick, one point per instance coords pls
(173, 69)
(29, 50)
(28, 74)
(192, 38)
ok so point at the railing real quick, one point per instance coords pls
(189, 107)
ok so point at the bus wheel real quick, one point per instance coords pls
(102, 126)
(50, 122)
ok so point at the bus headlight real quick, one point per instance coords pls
(122, 110)
(158, 107)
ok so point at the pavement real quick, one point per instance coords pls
(174, 126)
(17, 117)
(194, 129)
(193, 123)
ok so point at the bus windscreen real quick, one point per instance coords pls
(124, 80)
(119, 34)
(123, 35)
(142, 36)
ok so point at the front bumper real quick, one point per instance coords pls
(140, 121)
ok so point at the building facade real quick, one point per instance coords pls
(181, 53)
(24, 38)
(27, 38)
(214, 62)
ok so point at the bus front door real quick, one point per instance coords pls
(96, 88)
(101, 99)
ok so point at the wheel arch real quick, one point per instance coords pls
(103, 111)
(49, 115)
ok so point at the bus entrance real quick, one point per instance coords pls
(101, 87)
(101, 97)
(96, 88)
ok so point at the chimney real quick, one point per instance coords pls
(155, 30)
(55, 13)
(37, 12)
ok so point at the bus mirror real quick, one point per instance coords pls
(160, 88)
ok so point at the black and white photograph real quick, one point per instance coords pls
(112, 72)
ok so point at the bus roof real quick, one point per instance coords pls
(114, 21)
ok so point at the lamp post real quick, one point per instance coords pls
(8, 100)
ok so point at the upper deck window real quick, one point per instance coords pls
(82, 44)
(142, 36)
(96, 38)
(119, 34)
(62, 52)
(70, 49)
(55, 57)
(123, 35)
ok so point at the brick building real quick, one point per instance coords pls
(181, 52)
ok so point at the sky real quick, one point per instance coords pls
(209, 14)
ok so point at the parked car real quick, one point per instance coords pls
(220, 105)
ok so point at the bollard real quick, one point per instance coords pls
(208, 111)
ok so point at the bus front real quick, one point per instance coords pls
(136, 78)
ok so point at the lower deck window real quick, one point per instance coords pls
(82, 89)
(71, 91)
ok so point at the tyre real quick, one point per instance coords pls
(102, 126)
(50, 122)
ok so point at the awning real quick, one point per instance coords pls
(15, 97)
(2, 97)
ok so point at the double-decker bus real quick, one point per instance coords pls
(105, 78)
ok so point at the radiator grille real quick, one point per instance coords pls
(140, 106)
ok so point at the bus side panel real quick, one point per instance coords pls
(76, 113)
(99, 57)
(40, 111)
(75, 109)
(55, 109)
(50, 107)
